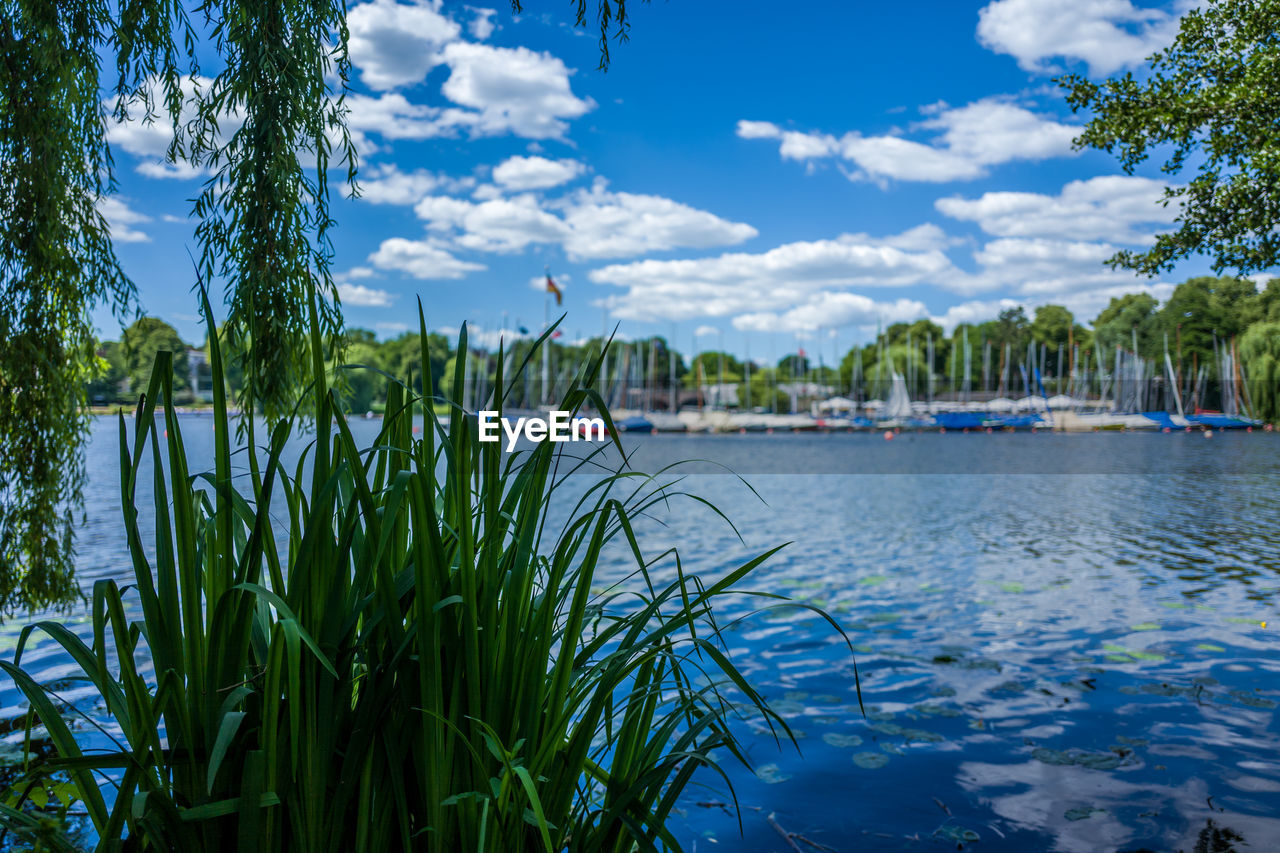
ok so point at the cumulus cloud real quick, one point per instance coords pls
(495, 91)
(1103, 208)
(829, 310)
(967, 141)
(972, 312)
(604, 224)
(368, 297)
(481, 26)
(386, 184)
(589, 223)
(536, 173)
(1105, 34)
(121, 218)
(770, 282)
(496, 225)
(420, 259)
(510, 90)
(392, 116)
(1042, 269)
(394, 44)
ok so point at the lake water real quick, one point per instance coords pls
(1060, 637)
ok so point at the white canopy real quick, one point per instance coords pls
(837, 404)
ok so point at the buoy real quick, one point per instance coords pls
(942, 430)
(742, 430)
(988, 430)
(1188, 429)
(1248, 429)
(417, 429)
(888, 435)
(1208, 433)
(1166, 430)
(966, 430)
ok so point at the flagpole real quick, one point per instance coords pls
(546, 345)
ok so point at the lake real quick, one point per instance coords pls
(1060, 638)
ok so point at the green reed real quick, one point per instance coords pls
(408, 659)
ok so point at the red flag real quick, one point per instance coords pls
(552, 287)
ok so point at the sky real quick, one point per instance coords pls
(752, 175)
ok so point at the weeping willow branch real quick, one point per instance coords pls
(264, 213)
(56, 264)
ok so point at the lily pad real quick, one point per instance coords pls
(956, 834)
(770, 774)
(1147, 626)
(1063, 758)
(843, 740)
(1209, 647)
(873, 580)
(1082, 813)
(870, 760)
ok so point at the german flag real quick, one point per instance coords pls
(552, 287)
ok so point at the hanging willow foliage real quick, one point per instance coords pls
(264, 218)
(264, 215)
(56, 264)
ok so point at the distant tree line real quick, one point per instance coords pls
(1201, 313)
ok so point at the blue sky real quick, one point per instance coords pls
(744, 171)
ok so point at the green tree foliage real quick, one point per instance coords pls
(763, 393)
(710, 363)
(107, 385)
(1203, 307)
(56, 263)
(141, 341)
(400, 358)
(794, 365)
(1115, 326)
(1260, 352)
(1212, 100)
(1009, 327)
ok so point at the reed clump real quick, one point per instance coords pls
(409, 658)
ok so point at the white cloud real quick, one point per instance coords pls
(121, 218)
(706, 331)
(973, 312)
(593, 223)
(536, 173)
(830, 310)
(510, 90)
(392, 116)
(1106, 34)
(605, 224)
(968, 140)
(774, 281)
(1040, 270)
(496, 225)
(394, 44)
(420, 259)
(1102, 208)
(386, 184)
(368, 297)
(481, 26)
